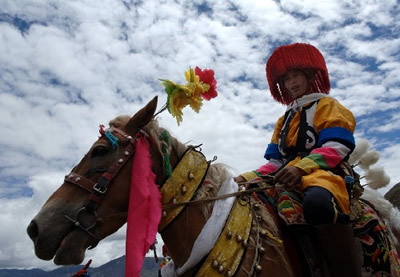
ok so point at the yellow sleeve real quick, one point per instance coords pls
(249, 175)
(277, 130)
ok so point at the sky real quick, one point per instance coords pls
(68, 66)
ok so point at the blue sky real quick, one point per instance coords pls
(68, 66)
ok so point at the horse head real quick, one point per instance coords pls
(96, 190)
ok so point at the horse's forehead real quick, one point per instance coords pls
(101, 141)
(119, 121)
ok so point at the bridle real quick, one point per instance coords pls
(98, 189)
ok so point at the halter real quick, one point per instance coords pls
(98, 189)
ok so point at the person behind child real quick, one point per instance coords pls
(309, 141)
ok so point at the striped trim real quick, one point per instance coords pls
(307, 165)
(267, 168)
(337, 134)
(330, 155)
(319, 160)
(249, 175)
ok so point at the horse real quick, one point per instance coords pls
(70, 221)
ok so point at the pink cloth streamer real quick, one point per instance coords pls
(144, 212)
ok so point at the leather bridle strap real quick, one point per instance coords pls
(99, 188)
(80, 181)
(103, 184)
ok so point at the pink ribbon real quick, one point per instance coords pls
(144, 212)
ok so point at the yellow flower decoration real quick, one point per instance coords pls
(192, 94)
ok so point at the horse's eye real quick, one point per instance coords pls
(98, 151)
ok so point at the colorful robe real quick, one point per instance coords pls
(315, 135)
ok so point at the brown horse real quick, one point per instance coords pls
(74, 219)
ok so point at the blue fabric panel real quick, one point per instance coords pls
(338, 134)
(272, 152)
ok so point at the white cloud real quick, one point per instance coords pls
(78, 64)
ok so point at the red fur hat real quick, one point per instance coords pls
(296, 56)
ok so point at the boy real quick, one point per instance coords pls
(312, 138)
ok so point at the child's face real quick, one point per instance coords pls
(296, 83)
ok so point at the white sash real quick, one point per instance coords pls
(210, 232)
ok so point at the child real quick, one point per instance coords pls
(312, 138)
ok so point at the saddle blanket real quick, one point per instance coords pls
(380, 255)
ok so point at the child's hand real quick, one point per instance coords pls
(289, 176)
(239, 179)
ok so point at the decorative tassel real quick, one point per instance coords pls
(377, 178)
(362, 146)
(112, 139)
(368, 159)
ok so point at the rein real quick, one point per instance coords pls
(223, 196)
(238, 193)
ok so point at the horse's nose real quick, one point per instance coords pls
(33, 230)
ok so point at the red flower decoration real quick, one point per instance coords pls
(207, 76)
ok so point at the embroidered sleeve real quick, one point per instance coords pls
(335, 125)
(249, 175)
(269, 167)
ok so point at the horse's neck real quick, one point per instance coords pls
(181, 234)
(159, 167)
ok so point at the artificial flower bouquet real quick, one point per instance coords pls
(201, 84)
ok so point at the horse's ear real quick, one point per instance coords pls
(142, 117)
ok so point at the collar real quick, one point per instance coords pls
(306, 99)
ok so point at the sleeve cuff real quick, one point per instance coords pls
(249, 175)
(307, 165)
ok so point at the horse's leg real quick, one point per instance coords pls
(181, 234)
